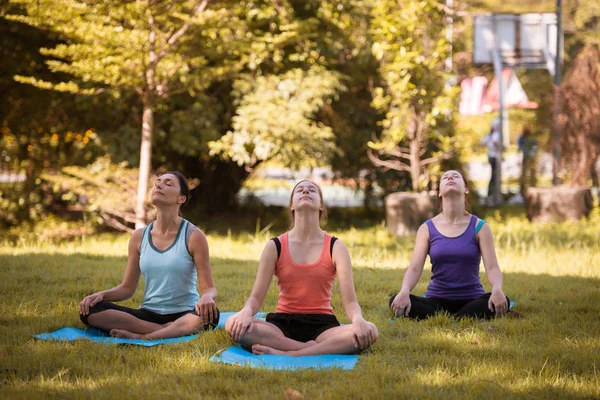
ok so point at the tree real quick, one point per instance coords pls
(275, 119)
(284, 106)
(141, 47)
(38, 129)
(410, 43)
(579, 116)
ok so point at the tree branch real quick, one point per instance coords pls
(397, 152)
(162, 88)
(198, 7)
(115, 223)
(431, 160)
(389, 164)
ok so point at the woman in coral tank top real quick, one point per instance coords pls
(305, 261)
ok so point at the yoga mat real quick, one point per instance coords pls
(236, 355)
(99, 336)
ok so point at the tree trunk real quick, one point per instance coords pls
(582, 164)
(558, 203)
(405, 212)
(415, 163)
(147, 125)
(145, 158)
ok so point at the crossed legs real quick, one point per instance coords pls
(141, 324)
(266, 338)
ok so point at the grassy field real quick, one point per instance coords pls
(551, 271)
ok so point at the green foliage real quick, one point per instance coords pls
(94, 54)
(583, 22)
(31, 153)
(410, 43)
(275, 119)
(106, 190)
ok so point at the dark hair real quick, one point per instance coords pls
(526, 131)
(322, 213)
(467, 205)
(184, 188)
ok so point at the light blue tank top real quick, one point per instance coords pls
(170, 274)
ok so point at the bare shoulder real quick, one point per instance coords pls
(423, 231)
(136, 237)
(485, 231)
(270, 249)
(340, 256)
(339, 245)
(197, 241)
(197, 234)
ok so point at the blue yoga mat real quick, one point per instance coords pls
(235, 355)
(99, 336)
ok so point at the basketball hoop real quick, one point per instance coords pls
(520, 40)
(515, 41)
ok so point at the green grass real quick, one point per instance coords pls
(551, 271)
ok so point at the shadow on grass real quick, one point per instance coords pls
(545, 354)
(209, 380)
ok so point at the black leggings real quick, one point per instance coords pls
(146, 315)
(425, 307)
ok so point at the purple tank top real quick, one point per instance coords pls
(454, 264)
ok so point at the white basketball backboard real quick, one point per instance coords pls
(522, 40)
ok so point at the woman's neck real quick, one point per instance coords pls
(167, 220)
(306, 226)
(453, 209)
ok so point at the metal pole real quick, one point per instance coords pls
(556, 111)
(503, 123)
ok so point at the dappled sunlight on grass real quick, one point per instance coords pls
(553, 351)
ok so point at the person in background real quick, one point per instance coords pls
(493, 141)
(528, 146)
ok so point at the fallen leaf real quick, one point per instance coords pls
(292, 394)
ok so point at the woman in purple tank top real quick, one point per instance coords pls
(455, 241)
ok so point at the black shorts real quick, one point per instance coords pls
(146, 315)
(302, 327)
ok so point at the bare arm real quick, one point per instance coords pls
(198, 246)
(401, 304)
(343, 266)
(266, 268)
(242, 322)
(497, 302)
(364, 333)
(131, 278)
(417, 261)
(490, 261)
(130, 281)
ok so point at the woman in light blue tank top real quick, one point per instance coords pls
(455, 241)
(171, 254)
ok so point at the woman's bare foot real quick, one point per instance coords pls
(260, 349)
(122, 333)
